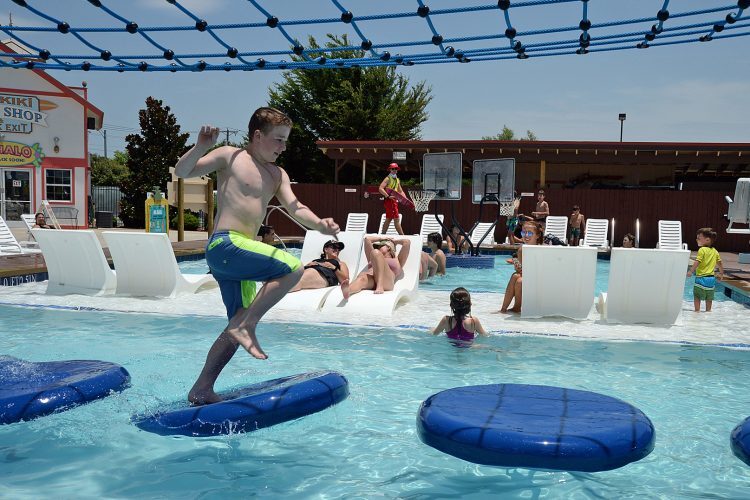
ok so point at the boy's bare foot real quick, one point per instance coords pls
(246, 338)
(503, 310)
(514, 310)
(345, 289)
(198, 398)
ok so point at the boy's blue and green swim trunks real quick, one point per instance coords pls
(237, 261)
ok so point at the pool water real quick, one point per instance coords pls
(366, 446)
(481, 280)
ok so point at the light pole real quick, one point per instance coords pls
(622, 121)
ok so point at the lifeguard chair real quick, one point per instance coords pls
(739, 208)
(739, 213)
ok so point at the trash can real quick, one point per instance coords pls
(104, 219)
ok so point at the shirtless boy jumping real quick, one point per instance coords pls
(247, 180)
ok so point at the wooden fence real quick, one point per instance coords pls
(695, 209)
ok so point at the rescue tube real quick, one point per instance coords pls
(535, 426)
(29, 390)
(740, 441)
(250, 408)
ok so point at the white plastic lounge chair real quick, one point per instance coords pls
(357, 222)
(312, 247)
(596, 233)
(739, 209)
(146, 266)
(645, 286)
(430, 225)
(479, 231)
(392, 227)
(367, 302)
(558, 281)
(75, 262)
(9, 245)
(670, 235)
(557, 225)
(29, 220)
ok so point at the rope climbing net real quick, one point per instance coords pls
(271, 40)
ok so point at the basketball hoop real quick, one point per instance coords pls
(421, 199)
(507, 208)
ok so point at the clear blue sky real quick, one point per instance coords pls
(690, 92)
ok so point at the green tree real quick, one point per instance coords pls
(370, 103)
(109, 171)
(507, 134)
(150, 154)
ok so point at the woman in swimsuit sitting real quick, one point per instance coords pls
(461, 327)
(531, 234)
(384, 267)
(326, 271)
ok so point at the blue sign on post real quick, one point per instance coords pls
(157, 218)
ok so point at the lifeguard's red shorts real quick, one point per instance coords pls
(391, 208)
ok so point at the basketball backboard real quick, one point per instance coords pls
(441, 172)
(493, 177)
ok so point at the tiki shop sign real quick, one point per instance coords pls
(20, 113)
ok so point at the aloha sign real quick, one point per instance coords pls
(16, 154)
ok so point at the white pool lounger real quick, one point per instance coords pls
(645, 286)
(558, 281)
(146, 266)
(367, 302)
(312, 247)
(75, 262)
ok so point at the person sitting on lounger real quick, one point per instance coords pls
(326, 271)
(531, 234)
(384, 267)
(40, 222)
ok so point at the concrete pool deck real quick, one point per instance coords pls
(15, 268)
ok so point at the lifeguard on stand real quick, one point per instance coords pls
(157, 212)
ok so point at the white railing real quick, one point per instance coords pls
(271, 209)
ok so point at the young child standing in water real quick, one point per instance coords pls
(704, 268)
(461, 326)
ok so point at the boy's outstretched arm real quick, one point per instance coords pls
(300, 212)
(193, 163)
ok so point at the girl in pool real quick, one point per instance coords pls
(531, 234)
(461, 326)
